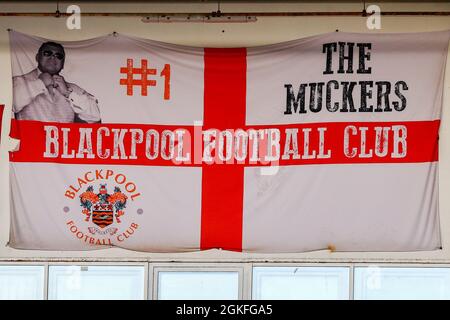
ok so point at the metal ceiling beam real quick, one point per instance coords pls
(257, 14)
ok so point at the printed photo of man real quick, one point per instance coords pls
(44, 95)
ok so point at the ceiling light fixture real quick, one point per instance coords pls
(209, 18)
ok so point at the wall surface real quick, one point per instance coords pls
(266, 30)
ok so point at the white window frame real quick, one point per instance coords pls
(244, 269)
(241, 268)
(395, 265)
(310, 265)
(40, 264)
(99, 264)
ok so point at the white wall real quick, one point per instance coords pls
(265, 31)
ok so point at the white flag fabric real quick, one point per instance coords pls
(326, 141)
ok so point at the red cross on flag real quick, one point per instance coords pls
(330, 140)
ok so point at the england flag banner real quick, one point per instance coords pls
(329, 141)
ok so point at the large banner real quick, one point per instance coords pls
(329, 141)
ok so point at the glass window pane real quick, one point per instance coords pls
(21, 282)
(301, 283)
(96, 282)
(375, 283)
(202, 285)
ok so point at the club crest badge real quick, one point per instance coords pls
(104, 198)
(103, 208)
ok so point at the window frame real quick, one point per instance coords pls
(100, 264)
(38, 264)
(395, 265)
(244, 269)
(315, 264)
(156, 268)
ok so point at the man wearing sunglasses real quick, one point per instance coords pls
(44, 95)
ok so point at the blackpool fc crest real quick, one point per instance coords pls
(104, 197)
(103, 207)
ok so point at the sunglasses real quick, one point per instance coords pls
(49, 53)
